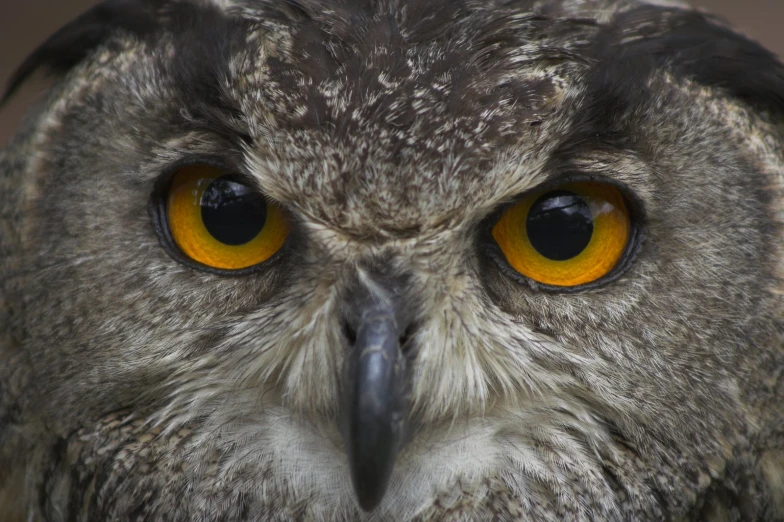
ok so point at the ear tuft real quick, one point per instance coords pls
(71, 44)
(700, 47)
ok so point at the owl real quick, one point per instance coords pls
(394, 260)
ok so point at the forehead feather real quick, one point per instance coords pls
(395, 114)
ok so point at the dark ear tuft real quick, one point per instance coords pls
(697, 46)
(71, 44)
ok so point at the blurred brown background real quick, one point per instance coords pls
(25, 23)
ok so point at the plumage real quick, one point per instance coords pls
(140, 383)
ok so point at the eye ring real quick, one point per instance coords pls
(626, 254)
(273, 245)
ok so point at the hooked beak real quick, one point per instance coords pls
(375, 399)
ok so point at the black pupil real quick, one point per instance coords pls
(232, 212)
(559, 225)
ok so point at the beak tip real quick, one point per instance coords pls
(371, 469)
(369, 497)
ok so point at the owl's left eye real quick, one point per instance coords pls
(566, 236)
(217, 219)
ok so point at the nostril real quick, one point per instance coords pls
(350, 333)
(407, 338)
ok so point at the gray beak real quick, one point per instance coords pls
(375, 401)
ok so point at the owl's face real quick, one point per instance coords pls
(393, 260)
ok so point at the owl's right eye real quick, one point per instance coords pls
(219, 220)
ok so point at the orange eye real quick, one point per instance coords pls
(219, 221)
(569, 235)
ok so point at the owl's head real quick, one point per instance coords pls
(421, 258)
